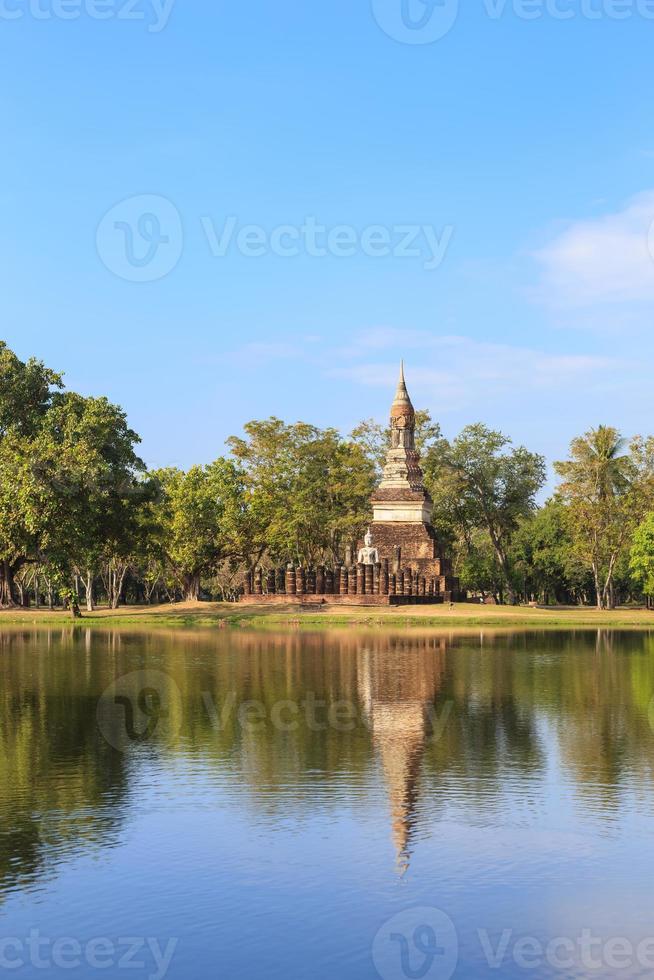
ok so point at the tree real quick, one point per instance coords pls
(26, 390)
(308, 490)
(198, 520)
(478, 484)
(70, 480)
(607, 492)
(544, 559)
(642, 556)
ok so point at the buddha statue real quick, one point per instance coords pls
(368, 555)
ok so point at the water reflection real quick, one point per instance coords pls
(427, 727)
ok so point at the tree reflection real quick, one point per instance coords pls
(308, 722)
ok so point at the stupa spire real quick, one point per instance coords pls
(402, 402)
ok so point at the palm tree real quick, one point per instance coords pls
(599, 463)
(595, 482)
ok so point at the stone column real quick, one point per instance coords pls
(311, 582)
(397, 559)
(384, 578)
(343, 584)
(369, 579)
(352, 580)
(291, 580)
(301, 583)
(270, 582)
(258, 582)
(361, 579)
(376, 579)
(392, 584)
(329, 581)
(408, 581)
(281, 581)
(320, 580)
(248, 582)
(423, 585)
(399, 583)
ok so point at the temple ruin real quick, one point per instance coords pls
(399, 561)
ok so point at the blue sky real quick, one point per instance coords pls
(513, 155)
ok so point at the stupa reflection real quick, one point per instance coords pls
(397, 695)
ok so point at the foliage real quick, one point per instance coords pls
(480, 483)
(308, 490)
(607, 491)
(198, 520)
(80, 514)
(642, 555)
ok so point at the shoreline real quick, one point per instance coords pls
(217, 615)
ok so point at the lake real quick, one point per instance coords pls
(326, 805)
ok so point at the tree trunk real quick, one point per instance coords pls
(8, 591)
(88, 585)
(191, 588)
(118, 581)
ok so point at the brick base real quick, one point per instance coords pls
(420, 552)
(340, 600)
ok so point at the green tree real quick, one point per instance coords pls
(479, 482)
(199, 521)
(544, 558)
(26, 390)
(642, 556)
(607, 491)
(70, 480)
(308, 490)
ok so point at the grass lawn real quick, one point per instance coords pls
(216, 614)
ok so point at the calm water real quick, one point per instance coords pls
(310, 806)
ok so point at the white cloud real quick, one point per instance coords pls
(602, 261)
(466, 371)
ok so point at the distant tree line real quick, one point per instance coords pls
(83, 521)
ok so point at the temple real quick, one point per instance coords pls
(400, 560)
(402, 508)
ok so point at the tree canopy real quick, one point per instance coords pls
(80, 512)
